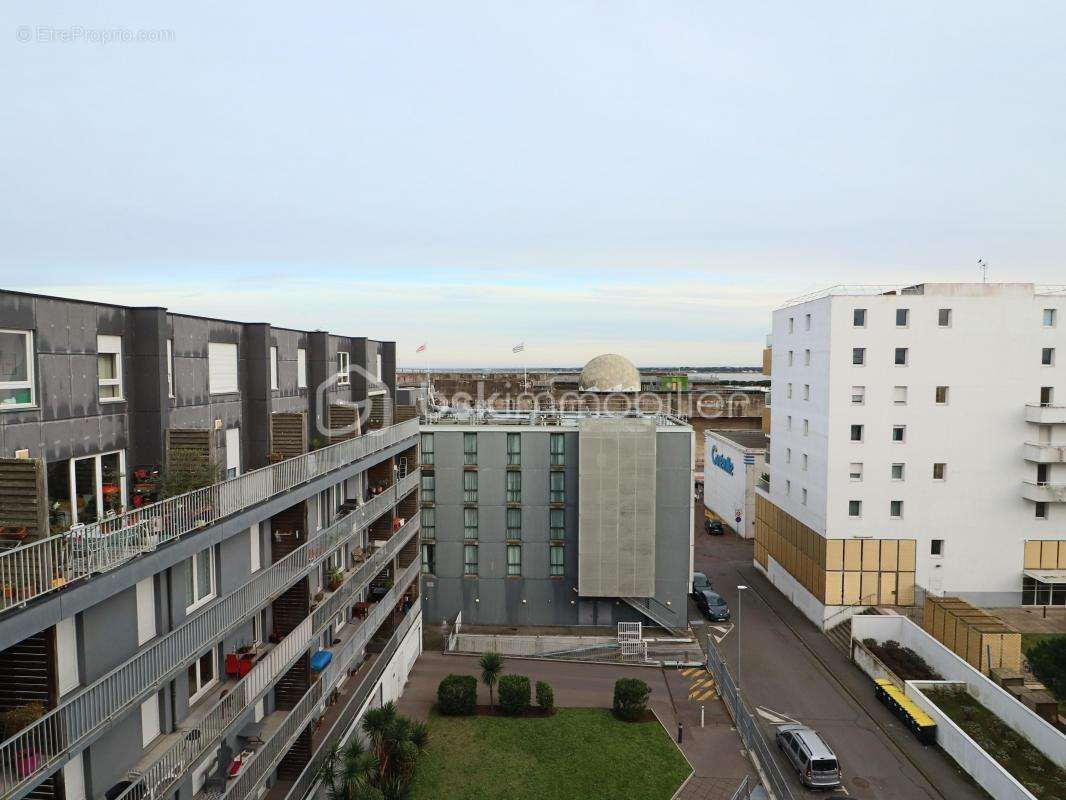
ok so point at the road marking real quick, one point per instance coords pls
(708, 695)
(688, 673)
(775, 717)
(724, 630)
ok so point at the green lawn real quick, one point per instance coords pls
(578, 752)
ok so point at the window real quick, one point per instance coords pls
(202, 675)
(109, 367)
(936, 547)
(788, 391)
(898, 472)
(1047, 395)
(274, 368)
(941, 395)
(895, 509)
(1047, 357)
(858, 356)
(806, 391)
(343, 372)
(555, 558)
(557, 486)
(557, 444)
(854, 508)
(903, 317)
(428, 559)
(429, 487)
(939, 471)
(855, 471)
(856, 433)
(86, 490)
(514, 523)
(199, 579)
(788, 487)
(514, 560)
(1041, 510)
(806, 358)
(470, 559)
(301, 368)
(170, 367)
(788, 422)
(16, 369)
(899, 433)
(469, 487)
(514, 449)
(254, 548)
(806, 426)
(807, 322)
(788, 455)
(557, 523)
(221, 368)
(790, 358)
(470, 449)
(858, 395)
(469, 523)
(427, 449)
(943, 318)
(1050, 315)
(804, 498)
(429, 523)
(901, 357)
(804, 462)
(514, 487)
(791, 324)
(899, 395)
(858, 318)
(233, 452)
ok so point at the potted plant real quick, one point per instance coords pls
(15, 720)
(336, 578)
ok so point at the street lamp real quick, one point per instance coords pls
(740, 605)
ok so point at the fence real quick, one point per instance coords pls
(747, 725)
(45, 566)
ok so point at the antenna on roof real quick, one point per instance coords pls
(983, 266)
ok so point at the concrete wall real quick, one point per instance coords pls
(731, 494)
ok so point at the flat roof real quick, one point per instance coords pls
(748, 439)
(490, 418)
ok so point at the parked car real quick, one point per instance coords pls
(714, 527)
(699, 583)
(814, 761)
(712, 605)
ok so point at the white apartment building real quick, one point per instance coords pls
(918, 442)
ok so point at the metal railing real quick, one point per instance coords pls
(277, 745)
(161, 774)
(44, 745)
(746, 724)
(47, 565)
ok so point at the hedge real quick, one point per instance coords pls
(514, 693)
(545, 696)
(457, 695)
(630, 698)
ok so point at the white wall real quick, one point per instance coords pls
(806, 602)
(726, 494)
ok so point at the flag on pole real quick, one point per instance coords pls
(518, 348)
(421, 348)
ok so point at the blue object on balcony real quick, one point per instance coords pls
(320, 659)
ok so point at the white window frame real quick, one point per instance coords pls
(301, 368)
(1051, 316)
(255, 544)
(939, 318)
(856, 515)
(217, 354)
(273, 368)
(947, 395)
(895, 516)
(906, 318)
(98, 482)
(899, 395)
(1050, 351)
(902, 471)
(861, 353)
(199, 602)
(855, 471)
(206, 687)
(944, 475)
(906, 351)
(343, 367)
(170, 367)
(28, 383)
(107, 345)
(902, 434)
(862, 432)
(860, 393)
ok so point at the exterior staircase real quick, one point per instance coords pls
(294, 684)
(298, 757)
(840, 636)
(648, 607)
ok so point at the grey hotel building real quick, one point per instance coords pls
(209, 550)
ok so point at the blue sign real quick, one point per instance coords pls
(722, 461)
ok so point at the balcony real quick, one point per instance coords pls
(1044, 492)
(48, 565)
(1045, 415)
(1046, 452)
(62, 731)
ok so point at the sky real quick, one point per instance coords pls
(647, 178)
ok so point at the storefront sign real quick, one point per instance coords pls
(720, 460)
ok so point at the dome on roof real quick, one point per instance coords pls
(609, 373)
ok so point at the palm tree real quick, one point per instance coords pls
(491, 667)
(382, 771)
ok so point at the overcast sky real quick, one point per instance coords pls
(649, 178)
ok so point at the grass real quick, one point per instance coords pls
(578, 752)
(1035, 771)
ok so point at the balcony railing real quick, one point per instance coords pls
(44, 566)
(1045, 414)
(1044, 492)
(277, 745)
(38, 749)
(1045, 452)
(157, 778)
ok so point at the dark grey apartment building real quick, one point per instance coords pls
(556, 518)
(209, 550)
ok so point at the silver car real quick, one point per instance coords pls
(811, 757)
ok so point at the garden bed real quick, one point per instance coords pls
(904, 662)
(1031, 768)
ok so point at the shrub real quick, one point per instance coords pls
(514, 693)
(1047, 659)
(630, 698)
(457, 695)
(545, 696)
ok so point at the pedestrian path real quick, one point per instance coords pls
(701, 684)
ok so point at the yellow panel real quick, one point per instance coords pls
(888, 589)
(938, 623)
(853, 554)
(905, 589)
(1012, 651)
(927, 615)
(1032, 554)
(906, 555)
(834, 588)
(852, 588)
(871, 555)
(1062, 555)
(1049, 555)
(948, 638)
(889, 553)
(834, 554)
(973, 651)
(870, 585)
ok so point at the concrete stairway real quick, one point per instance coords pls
(840, 636)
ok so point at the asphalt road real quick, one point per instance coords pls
(790, 670)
